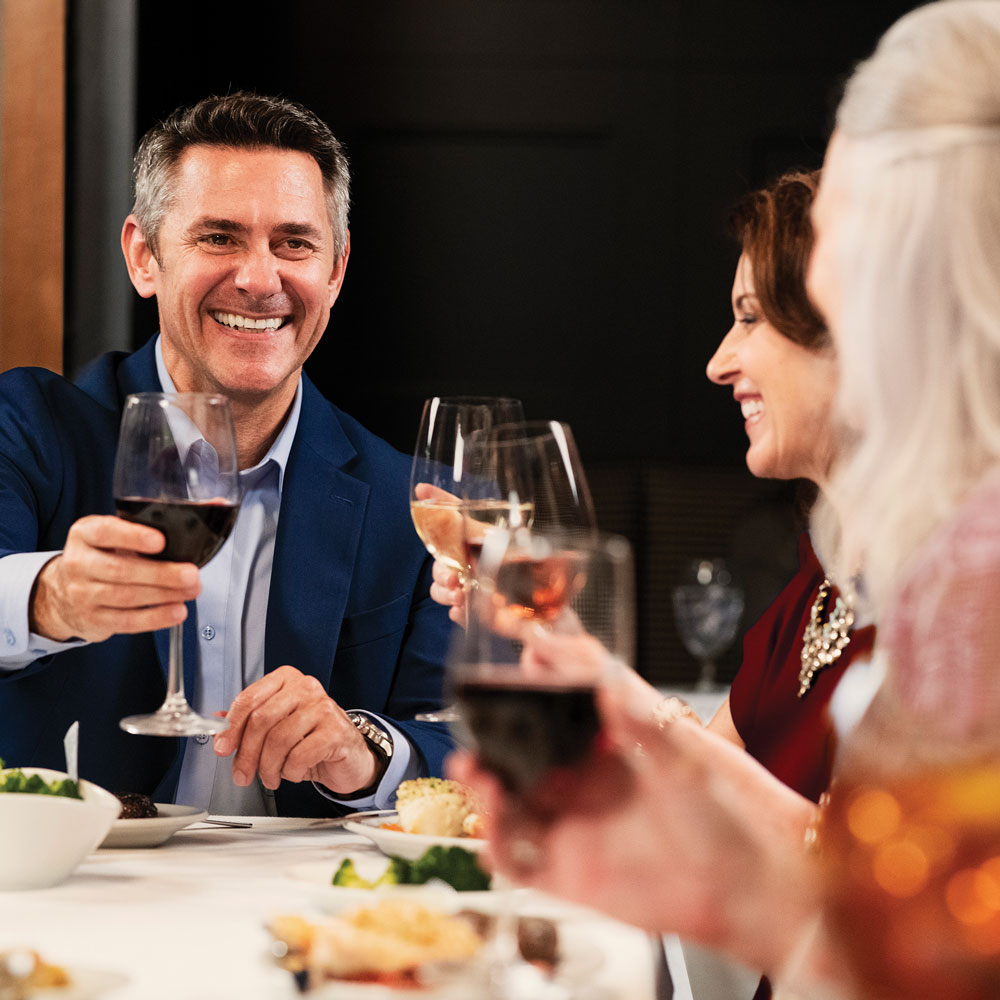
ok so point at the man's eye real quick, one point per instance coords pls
(295, 248)
(217, 239)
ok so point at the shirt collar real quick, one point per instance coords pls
(281, 447)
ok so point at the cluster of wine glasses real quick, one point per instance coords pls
(505, 503)
(549, 601)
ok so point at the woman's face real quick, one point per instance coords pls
(785, 391)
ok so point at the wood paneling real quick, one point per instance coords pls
(32, 129)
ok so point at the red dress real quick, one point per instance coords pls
(791, 736)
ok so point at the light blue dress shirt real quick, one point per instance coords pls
(231, 614)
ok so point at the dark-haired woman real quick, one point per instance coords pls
(779, 362)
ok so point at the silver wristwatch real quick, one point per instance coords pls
(380, 743)
(379, 740)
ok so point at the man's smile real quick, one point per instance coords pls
(236, 321)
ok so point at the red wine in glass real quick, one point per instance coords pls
(194, 529)
(525, 729)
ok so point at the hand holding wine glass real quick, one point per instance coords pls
(176, 470)
(531, 468)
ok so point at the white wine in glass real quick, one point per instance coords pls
(439, 478)
(176, 470)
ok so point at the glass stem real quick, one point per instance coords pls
(175, 669)
(706, 680)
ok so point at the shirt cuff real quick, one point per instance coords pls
(18, 645)
(403, 765)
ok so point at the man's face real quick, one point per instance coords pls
(246, 273)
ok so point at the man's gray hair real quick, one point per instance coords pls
(239, 121)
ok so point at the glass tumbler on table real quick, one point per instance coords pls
(176, 470)
(909, 846)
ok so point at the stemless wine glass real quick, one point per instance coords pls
(707, 610)
(176, 470)
(910, 853)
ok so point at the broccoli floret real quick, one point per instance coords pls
(454, 865)
(16, 780)
(346, 875)
(398, 873)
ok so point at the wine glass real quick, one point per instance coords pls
(708, 606)
(539, 456)
(439, 479)
(176, 470)
(553, 615)
(440, 472)
(551, 620)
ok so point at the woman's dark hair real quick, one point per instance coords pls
(775, 231)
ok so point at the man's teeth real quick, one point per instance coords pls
(245, 322)
(751, 407)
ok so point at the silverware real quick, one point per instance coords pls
(336, 821)
(227, 822)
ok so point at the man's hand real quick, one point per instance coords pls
(101, 584)
(447, 590)
(285, 726)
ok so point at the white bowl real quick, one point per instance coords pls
(44, 837)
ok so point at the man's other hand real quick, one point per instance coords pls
(285, 726)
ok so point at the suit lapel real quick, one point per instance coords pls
(319, 529)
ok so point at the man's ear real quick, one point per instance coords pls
(339, 269)
(139, 259)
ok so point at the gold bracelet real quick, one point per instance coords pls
(811, 838)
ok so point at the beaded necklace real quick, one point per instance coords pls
(823, 642)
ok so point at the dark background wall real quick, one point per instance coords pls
(540, 198)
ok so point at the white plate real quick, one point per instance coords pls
(155, 831)
(582, 943)
(332, 898)
(85, 984)
(404, 845)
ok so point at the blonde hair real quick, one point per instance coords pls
(918, 259)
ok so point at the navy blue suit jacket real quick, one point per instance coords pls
(349, 598)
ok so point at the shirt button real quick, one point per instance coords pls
(202, 738)
(208, 632)
(9, 637)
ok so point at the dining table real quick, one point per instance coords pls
(188, 919)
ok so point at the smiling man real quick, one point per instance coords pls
(312, 628)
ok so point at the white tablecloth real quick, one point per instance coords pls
(186, 920)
